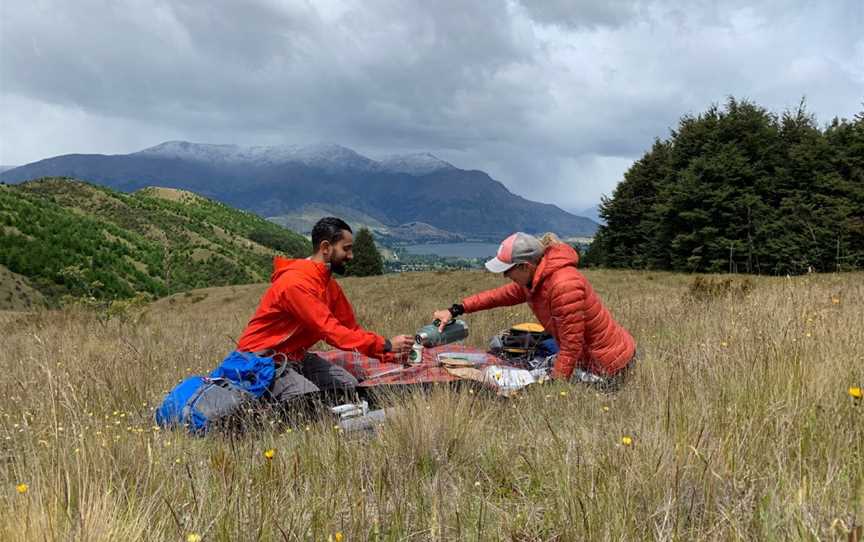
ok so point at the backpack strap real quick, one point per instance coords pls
(186, 413)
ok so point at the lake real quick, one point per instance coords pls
(455, 250)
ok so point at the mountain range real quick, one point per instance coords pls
(284, 182)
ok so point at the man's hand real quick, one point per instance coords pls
(401, 343)
(443, 315)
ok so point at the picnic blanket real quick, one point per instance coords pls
(448, 363)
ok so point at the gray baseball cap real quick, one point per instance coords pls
(518, 248)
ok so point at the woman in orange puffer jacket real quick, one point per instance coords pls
(594, 348)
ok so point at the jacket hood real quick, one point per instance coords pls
(281, 265)
(556, 256)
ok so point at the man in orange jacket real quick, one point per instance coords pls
(303, 305)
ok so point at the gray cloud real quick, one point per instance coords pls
(581, 13)
(553, 98)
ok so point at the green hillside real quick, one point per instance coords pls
(16, 293)
(72, 238)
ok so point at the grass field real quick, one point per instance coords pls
(739, 423)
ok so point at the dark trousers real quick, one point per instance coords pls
(313, 374)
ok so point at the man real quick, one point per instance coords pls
(594, 348)
(303, 305)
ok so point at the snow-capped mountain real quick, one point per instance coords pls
(328, 156)
(280, 180)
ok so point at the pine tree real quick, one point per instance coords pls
(367, 260)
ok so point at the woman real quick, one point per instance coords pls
(593, 347)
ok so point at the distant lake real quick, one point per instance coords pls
(455, 250)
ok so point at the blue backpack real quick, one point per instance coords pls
(198, 403)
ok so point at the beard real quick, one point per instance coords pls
(338, 268)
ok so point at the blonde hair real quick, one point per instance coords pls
(548, 239)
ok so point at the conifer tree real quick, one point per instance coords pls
(740, 189)
(367, 260)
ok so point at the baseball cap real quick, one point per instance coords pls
(518, 248)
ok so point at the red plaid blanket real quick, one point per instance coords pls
(371, 372)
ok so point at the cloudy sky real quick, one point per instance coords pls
(554, 98)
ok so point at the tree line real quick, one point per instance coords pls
(740, 189)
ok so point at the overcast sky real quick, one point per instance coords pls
(554, 98)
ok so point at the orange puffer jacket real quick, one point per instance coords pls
(565, 303)
(304, 305)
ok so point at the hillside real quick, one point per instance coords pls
(303, 219)
(738, 418)
(281, 181)
(72, 238)
(16, 292)
(418, 232)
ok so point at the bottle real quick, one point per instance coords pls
(455, 330)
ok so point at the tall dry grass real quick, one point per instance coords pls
(740, 423)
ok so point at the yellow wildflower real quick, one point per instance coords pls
(193, 537)
(268, 454)
(22, 488)
(856, 392)
(627, 441)
(338, 537)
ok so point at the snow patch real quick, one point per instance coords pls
(323, 155)
(327, 156)
(420, 163)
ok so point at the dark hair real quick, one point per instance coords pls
(328, 228)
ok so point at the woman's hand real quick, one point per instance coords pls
(444, 316)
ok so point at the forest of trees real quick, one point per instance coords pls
(740, 189)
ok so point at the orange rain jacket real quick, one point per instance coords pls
(302, 306)
(565, 303)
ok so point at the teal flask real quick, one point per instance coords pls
(455, 330)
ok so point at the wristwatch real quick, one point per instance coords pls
(388, 346)
(457, 309)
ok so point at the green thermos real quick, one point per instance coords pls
(455, 330)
